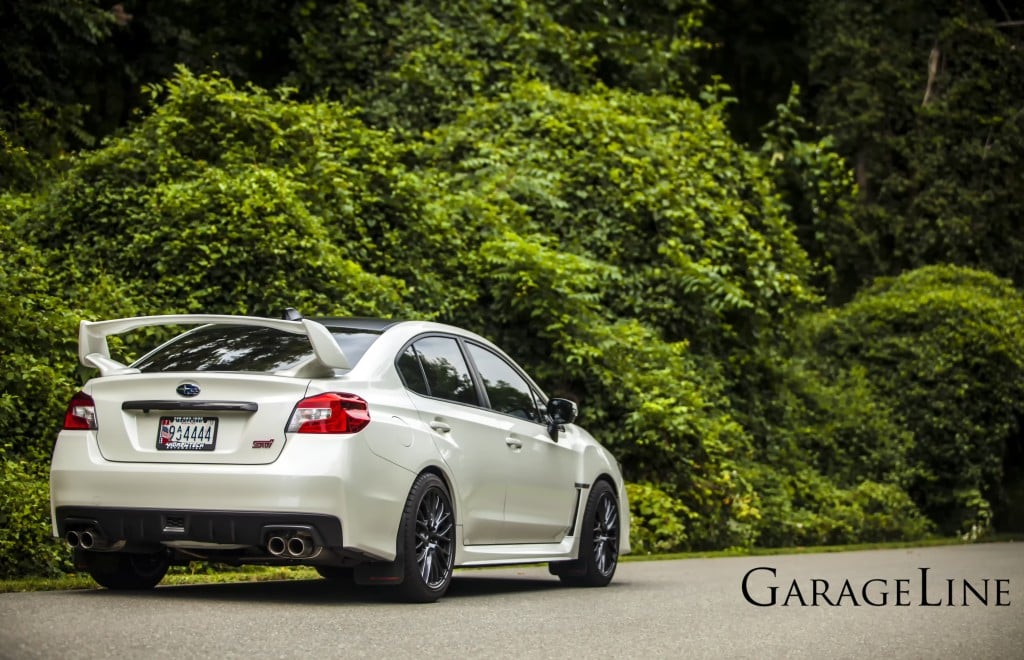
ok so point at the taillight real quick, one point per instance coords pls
(81, 414)
(329, 413)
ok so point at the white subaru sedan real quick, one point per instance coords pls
(376, 451)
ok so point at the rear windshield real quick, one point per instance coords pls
(246, 348)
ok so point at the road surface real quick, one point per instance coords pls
(874, 605)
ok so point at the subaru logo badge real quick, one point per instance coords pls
(188, 389)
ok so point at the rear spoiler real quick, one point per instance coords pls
(94, 352)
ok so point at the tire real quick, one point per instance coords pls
(340, 574)
(125, 570)
(599, 545)
(426, 541)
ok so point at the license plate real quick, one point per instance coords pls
(187, 434)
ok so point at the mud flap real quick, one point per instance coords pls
(380, 573)
(87, 560)
(574, 567)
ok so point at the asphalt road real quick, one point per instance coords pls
(665, 609)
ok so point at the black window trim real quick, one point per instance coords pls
(419, 365)
(474, 374)
(530, 385)
(481, 396)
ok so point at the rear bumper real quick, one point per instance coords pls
(335, 486)
(157, 526)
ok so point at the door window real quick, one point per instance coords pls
(508, 392)
(409, 367)
(441, 370)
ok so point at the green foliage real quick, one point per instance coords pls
(657, 521)
(717, 264)
(225, 200)
(832, 422)
(23, 167)
(818, 186)
(37, 347)
(923, 99)
(805, 508)
(416, 64)
(647, 46)
(71, 70)
(760, 50)
(244, 40)
(413, 64)
(884, 512)
(920, 98)
(945, 346)
(518, 218)
(42, 40)
(821, 433)
(26, 544)
(576, 179)
(53, 58)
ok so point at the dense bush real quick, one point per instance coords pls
(575, 179)
(658, 521)
(39, 317)
(804, 507)
(652, 185)
(227, 201)
(945, 347)
(415, 64)
(26, 542)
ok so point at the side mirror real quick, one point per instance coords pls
(560, 411)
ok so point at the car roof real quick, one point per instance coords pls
(357, 322)
(377, 325)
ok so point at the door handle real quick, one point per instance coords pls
(440, 427)
(514, 443)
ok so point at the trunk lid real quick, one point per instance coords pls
(194, 417)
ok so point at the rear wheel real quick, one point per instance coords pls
(426, 540)
(127, 570)
(599, 545)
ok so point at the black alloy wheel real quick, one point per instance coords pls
(599, 542)
(606, 534)
(427, 540)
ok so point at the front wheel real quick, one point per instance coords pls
(126, 570)
(426, 540)
(599, 545)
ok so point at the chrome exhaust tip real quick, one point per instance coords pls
(300, 546)
(72, 538)
(88, 539)
(276, 546)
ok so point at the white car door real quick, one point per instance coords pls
(438, 378)
(540, 473)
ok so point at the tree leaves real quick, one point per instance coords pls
(945, 346)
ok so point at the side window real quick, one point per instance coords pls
(447, 376)
(411, 372)
(508, 391)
